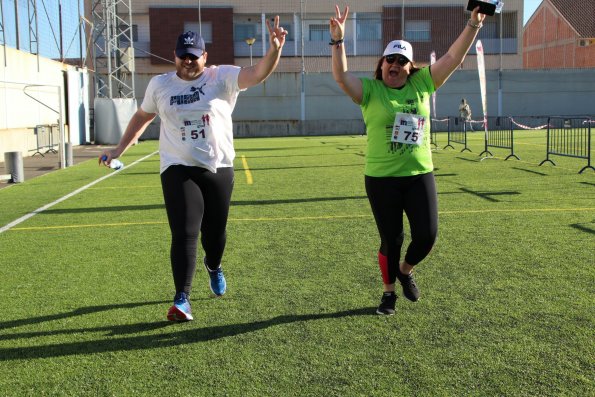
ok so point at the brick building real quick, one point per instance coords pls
(560, 34)
(430, 25)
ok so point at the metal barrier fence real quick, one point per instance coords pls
(457, 133)
(500, 135)
(438, 125)
(569, 137)
(44, 135)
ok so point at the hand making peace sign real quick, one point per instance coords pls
(337, 24)
(276, 34)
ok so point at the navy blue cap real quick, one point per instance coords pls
(190, 43)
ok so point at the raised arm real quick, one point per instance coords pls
(253, 75)
(448, 63)
(137, 125)
(349, 83)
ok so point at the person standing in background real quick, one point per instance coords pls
(465, 113)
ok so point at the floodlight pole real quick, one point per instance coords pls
(60, 30)
(500, 73)
(303, 73)
(16, 21)
(403, 20)
(33, 29)
(2, 33)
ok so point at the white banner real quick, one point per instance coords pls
(432, 61)
(481, 68)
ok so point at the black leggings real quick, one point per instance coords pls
(196, 200)
(416, 196)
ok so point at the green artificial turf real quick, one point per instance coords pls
(507, 304)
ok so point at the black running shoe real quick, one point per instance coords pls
(409, 287)
(387, 304)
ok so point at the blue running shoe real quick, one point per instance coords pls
(181, 310)
(216, 279)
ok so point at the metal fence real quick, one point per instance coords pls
(500, 134)
(457, 133)
(569, 137)
(46, 141)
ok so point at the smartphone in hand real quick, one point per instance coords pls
(487, 7)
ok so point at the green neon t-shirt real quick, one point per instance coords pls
(379, 106)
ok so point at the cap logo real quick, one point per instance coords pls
(402, 47)
(188, 41)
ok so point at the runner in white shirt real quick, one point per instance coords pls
(196, 148)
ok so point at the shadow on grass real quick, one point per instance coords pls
(579, 226)
(105, 209)
(294, 201)
(126, 172)
(142, 342)
(268, 149)
(233, 203)
(77, 312)
(466, 159)
(530, 171)
(488, 195)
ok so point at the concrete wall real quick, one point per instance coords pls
(274, 108)
(33, 94)
(20, 113)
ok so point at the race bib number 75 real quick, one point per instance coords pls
(408, 129)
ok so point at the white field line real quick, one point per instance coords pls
(69, 195)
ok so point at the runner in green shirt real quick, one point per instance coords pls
(398, 174)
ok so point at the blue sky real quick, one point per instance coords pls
(530, 7)
(48, 39)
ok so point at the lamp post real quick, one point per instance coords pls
(250, 41)
(403, 21)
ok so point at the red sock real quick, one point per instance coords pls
(383, 264)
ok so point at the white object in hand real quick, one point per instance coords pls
(114, 164)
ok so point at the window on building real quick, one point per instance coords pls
(491, 28)
(418, 30)
(243, 31)
(319, 33)
(290, 31)
(206, 30)
(368, 28)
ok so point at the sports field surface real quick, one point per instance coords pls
(508, 293)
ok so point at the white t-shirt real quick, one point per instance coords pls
(196, 127)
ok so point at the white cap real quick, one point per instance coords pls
(399, 47)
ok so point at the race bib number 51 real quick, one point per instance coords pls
(408, 129)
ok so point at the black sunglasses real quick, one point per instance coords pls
(401, 60)
(190, 56)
